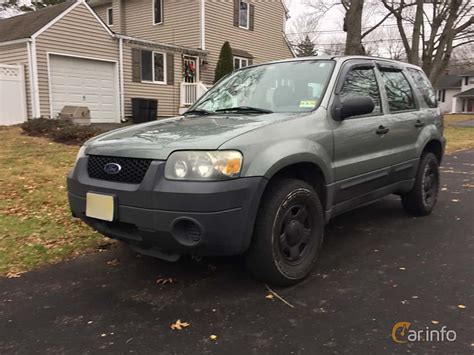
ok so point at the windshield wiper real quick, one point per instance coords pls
(199, 111)
(244, 109)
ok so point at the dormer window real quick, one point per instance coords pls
(110, 16)
(157, 12)
(244, 14)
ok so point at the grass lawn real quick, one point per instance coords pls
(458, 138)
(36, 227)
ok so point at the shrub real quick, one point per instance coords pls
(225, 64)
(60, 130)
(42, 126)
(74, 134)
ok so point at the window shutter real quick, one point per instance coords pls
(136, 65)
(169, 69)
(236, 12)
(251, 17)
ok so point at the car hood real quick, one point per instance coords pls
(157, 139)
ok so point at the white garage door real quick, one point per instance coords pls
(85, 82)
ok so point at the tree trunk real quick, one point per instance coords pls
(353, 27)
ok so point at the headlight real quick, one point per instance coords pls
(202, 165)
(80, 153)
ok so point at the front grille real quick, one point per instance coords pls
(132, 172)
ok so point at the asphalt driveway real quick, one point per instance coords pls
(378, 267)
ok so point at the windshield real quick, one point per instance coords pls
(295, 86)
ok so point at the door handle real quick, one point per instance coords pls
(382, 130)
(419, 124)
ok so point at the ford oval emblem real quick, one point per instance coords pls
(112, 168)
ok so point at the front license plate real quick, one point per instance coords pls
(100, 206)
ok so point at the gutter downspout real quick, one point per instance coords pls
(122, 95)
(202, 23)
(33, 72)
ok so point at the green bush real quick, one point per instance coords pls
(225, 64)
(60, 130)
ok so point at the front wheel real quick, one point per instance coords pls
(421, 200)
(288, 233)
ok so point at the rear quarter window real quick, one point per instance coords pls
(424, 87)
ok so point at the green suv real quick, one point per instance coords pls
(263, 160)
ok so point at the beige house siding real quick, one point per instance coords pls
(265, 43)
(180, 22)
(76, 34)
(101, 11)
(17, 54)
(167, 95)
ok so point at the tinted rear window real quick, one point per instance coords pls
(424, 87)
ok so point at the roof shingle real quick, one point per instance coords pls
(448, 81)
(26, 25)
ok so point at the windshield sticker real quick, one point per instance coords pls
(308, 104)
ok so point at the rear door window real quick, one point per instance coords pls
(424, 87)
(399, 93)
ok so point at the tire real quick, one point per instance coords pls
(288, 233)
(421, 200)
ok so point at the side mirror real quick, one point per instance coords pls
(353, 106)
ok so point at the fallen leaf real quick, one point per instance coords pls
(168, 280)
(14, 275)
(455, 200)
(461, 306)
(269, 296)
(402, 268)
(213, 337)
(114, 262)
(178, 325)
(444, 189)
(434, 322)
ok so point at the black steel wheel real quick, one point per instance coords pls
(288, 233)
(421, 200)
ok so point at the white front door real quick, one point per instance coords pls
(85, 82)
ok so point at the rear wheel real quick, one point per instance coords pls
(288, 233)
(421, 200)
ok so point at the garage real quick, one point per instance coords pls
(78, 81)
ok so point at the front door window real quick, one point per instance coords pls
(190, 70)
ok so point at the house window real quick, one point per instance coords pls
(240, 62)
(466, 80)
(244, 14)
(110, 16)
(153, 67)
(157, 12)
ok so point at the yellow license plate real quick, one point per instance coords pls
(100, 206)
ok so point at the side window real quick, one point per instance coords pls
(110, 16)
(424, 87)
(240, 62)
(399, 94)
(157, 12)
(362, 82)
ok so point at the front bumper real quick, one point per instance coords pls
(174, 217)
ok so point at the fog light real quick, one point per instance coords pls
(187, 231)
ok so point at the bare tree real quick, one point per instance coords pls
(447, 26)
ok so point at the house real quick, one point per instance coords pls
(456, 93)
(103, 53)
